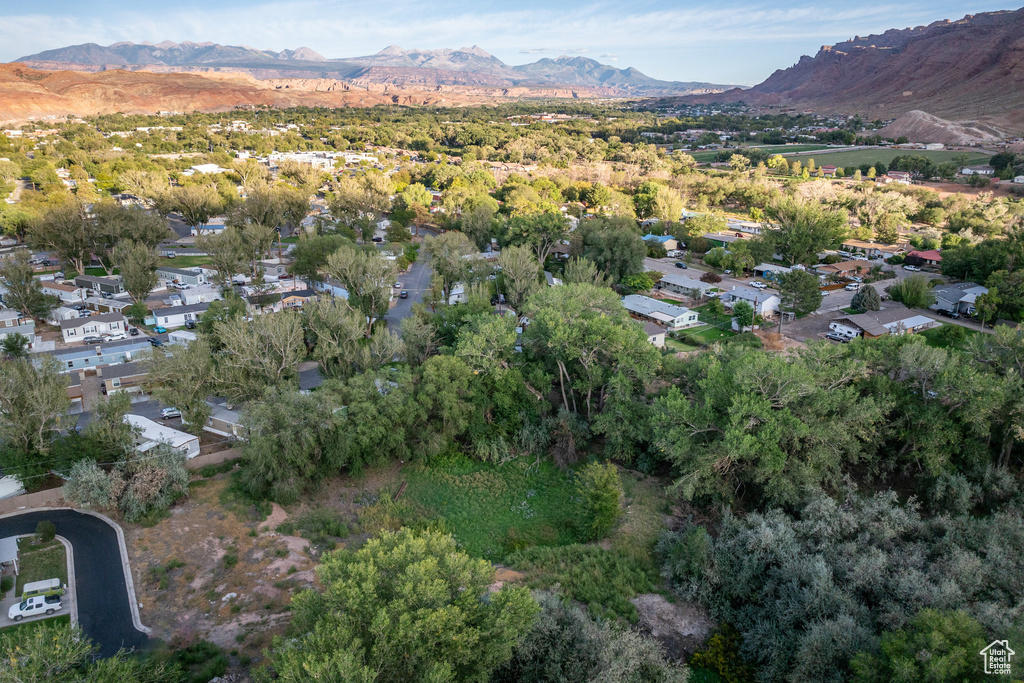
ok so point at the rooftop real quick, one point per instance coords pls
(653, 308)
(102, 318)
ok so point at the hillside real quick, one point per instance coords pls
(466, 66)
(966, 69)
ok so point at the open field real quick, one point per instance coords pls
(872, 156)
(184, 262)
(43, 561)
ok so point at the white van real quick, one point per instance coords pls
(44, 587)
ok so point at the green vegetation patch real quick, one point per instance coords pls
(872, 156)
(25, 627)
(948, 335)
(492, 510)
(39, 561)
(184, 261)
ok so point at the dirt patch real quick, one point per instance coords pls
(681, 628)
(184, 566)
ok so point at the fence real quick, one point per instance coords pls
(201, 461)
(32, 500)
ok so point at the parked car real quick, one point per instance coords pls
(190, 324)
(115, 337)
(758, 285)
(155, 342)
(168, 413)
(852, 287)
(171, 254)
(160, 329)
(404, 294)
(134, 331)
(912, 269)
(948, 314)
(30, 607)
(79, 307)
(680, 264)
(825, 292)
(857, 279)
(93, 339)
(727, 272)
(835, 336)
(378, 239)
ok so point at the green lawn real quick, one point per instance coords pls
(940, 337)
(871, 156)
(99, 271)
(494, 509)
(184, 261)
(718, 320)
(713, 334)
(678, 346)
(41, 561)
(24, 627)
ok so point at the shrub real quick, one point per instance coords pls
(46, 530)
(722, 655)
(710, 278)
(6, 584)
(866, 299)
(137, 489)
(87, 485)
(599, 490)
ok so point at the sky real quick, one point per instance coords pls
(716, 41)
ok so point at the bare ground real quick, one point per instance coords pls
(681, 627)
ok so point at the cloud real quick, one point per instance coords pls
(576, 50)
(535, 51)
(610, 57)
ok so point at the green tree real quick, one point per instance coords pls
(137, 263)
(519, 274)
(866, 299)
(743, 314)
(226, 254)
(66, 230)
(913, 292)
(259, 353)
(197, 204)
(805, 228)
(799, 292)
(33, 403)
(448, 253)
(14, 346)
(613, 244)
(599, 490)
(404, 607)
(108, 429)
(311, 253)
(24, 292)
(182, 375)
(987, 305)
(541, 232)
(939, 646)
(368, 277)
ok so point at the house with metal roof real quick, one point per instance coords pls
(673, 317)
(957, 298)
(685, 286)
(765, 303)
(892, 320)
(79, 329)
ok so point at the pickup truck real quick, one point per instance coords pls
(30, 607)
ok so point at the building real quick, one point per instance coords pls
(27, 329)
(332, 287)
(843, 268)
(110, 286)
(177, 316)
(770, 271)
(1019, 180)
(655, 334)
(10, 318)
(903, 177)
(829, 171)
(203, 294)
(668, 241)
(101, 305)
(656, 311)
(685, 286)
(69, 294)
(122, 377)
(212, 228)
(551, 279)
(977, 170)
(894, 320)
(872, 249)
(224, 420)
(112, 325)
(932, 258)
(957, 298)
(181, 276)
(724, 239)
(152, 434)
(765, 303)
(295, 298)
(100, 355)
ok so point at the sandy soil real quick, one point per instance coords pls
(680, 627)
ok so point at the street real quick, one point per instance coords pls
(416, 282)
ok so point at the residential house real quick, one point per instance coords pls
(10, 318)
(105, 324)
(182, 276)
(977, 170)
(273, 270)
(100, 355)
(111, 286)
(873, 249)
(551, 279)
(957, 298)
(770, 271)
(69, 294)
(668, 241)
(101, 305)
(932, 258)
(1019, 180)
(203, 294)
(892, 320)
(332, 287)
(829, 171)
(765, 303)
(214, 227)
(152, 434)
(295, 298)
(685, 286)
(224, 420)
(843, 268)
(75, 390)
(27, 329)
(123, 377)
(177, 316)
(724, 239)
(902, 177)
(655, 334)
(183, 337)
(62, 313)
(752, 227)
(661, 312)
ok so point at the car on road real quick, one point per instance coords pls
(404, 294)
(378, 239)
(171, 254)
(852, 287)
(727, 272)
(834, 336)
(155, 342)
(680, 264)
(397, 285)
(159, 329)
(857, 279)
(912, 269)
(949, 314)
(30, 607)
(825, 292)
(114, 337)
(756, 284)
(168, 413)
(134, 332)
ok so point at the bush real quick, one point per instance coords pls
(710, 278)
(6, 584)
(46, 530)
(866, 299)
(88, 486)
(721, 654)
(137, 489)
(599, 490)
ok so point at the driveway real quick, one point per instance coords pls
(104, 608)
(416, 282)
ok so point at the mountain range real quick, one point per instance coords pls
(971, 69)
(467, 66)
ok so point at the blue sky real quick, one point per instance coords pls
(720, 41)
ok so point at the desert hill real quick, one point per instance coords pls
(967, 69)
(32, 93)
(466, 66)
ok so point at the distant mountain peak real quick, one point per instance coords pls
(475, 50)
(391, 50)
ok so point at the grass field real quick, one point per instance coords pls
(872, 156)
(494, 509)
(939, 337)
(43, 561)
(25, 627)
(678, 346)
(184, 261)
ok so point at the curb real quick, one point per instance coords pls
(69, 559)
(125, 564)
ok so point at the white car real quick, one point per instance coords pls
(758, 285)
(852, 287)
(825, 292)
(912, 269)
(38, 604)
(168, 413)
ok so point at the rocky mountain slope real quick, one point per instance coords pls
(31, 93)
(467, 66)
(967, 69)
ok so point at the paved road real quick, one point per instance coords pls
(416, 282)
(104, 611)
